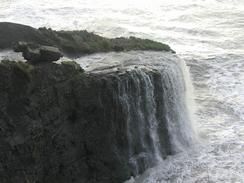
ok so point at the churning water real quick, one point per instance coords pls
(208, 34)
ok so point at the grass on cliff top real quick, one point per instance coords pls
(17, 66)
(83, 42)
(25, 67)
(65, 66)
(74, 65)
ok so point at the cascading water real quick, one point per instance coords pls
(207, 33)
(136, 92)
(152, 92)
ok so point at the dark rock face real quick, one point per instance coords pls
(73, 43)
(35, 53)
(61, 125)
(52, 127)
(11, 33)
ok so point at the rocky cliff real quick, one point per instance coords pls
(73, 43)
(59, 124)
(54, 128)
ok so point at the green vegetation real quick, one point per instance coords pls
(17, 67)
(133, 43)
(73, 43)
(73, 64)
(23, 66)
(83, 42)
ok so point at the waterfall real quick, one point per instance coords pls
(151, 91)
(157, 116)
(136, 93)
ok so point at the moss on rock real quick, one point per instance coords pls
(73, 43)
(20, 65)
(72, 64)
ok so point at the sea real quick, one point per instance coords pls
(207, 34)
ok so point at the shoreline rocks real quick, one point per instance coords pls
(73, 43)
(60, 124)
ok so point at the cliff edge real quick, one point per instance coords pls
(60, 124)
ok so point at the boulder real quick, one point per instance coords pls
(35, 53)
(50, 53)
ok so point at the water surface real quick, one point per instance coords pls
(208, 34)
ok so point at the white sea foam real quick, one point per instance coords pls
(207, 33)
(10, 55)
